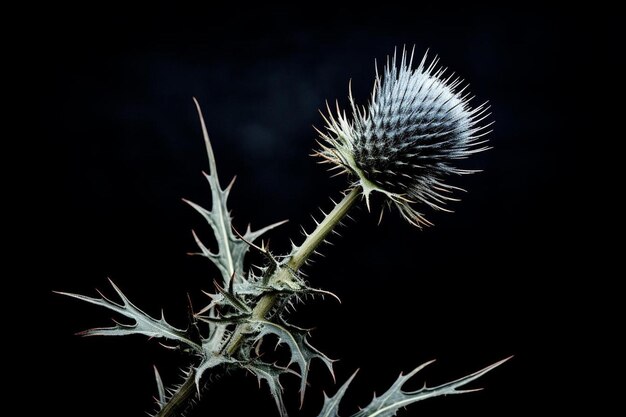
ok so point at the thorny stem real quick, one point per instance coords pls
(299, 257)
(178, 400)
(323, 229)
(284, 275)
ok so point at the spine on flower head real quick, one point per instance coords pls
(407, 140)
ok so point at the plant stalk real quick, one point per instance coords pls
(283, 274)
(299, 257)
(323, 229)
(179, 399)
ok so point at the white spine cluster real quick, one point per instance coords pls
(405, 142)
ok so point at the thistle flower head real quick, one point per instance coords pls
(405, 143)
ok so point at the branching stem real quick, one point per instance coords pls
(284, 275)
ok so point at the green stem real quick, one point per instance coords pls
(179, 399)
(323, 229)
(284, 275)
(298, 258)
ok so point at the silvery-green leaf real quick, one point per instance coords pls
(210, 360)
(229, 258)
(331, 404)
(271, 374)
(395, 398)
(212, 348)
(301, 351)
(144, 324)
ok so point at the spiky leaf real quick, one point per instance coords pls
(331, 404)
(144, 324)
(271, 373)
(229, 258)
(209, 361)
(395, 398)
(212, 348)
(302, 353)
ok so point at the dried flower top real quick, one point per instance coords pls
(405, 143)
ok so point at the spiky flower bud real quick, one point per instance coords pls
(405, 143)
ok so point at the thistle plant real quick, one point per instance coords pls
(404, 145)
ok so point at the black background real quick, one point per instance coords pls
(122, 145)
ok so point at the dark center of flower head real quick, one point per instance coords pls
(407, 140)
(412, 134)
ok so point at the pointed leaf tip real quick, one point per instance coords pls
(271, 374)
(160, 388)
(302, 353)
(387, 404)
(143, 323)
(331, 404)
